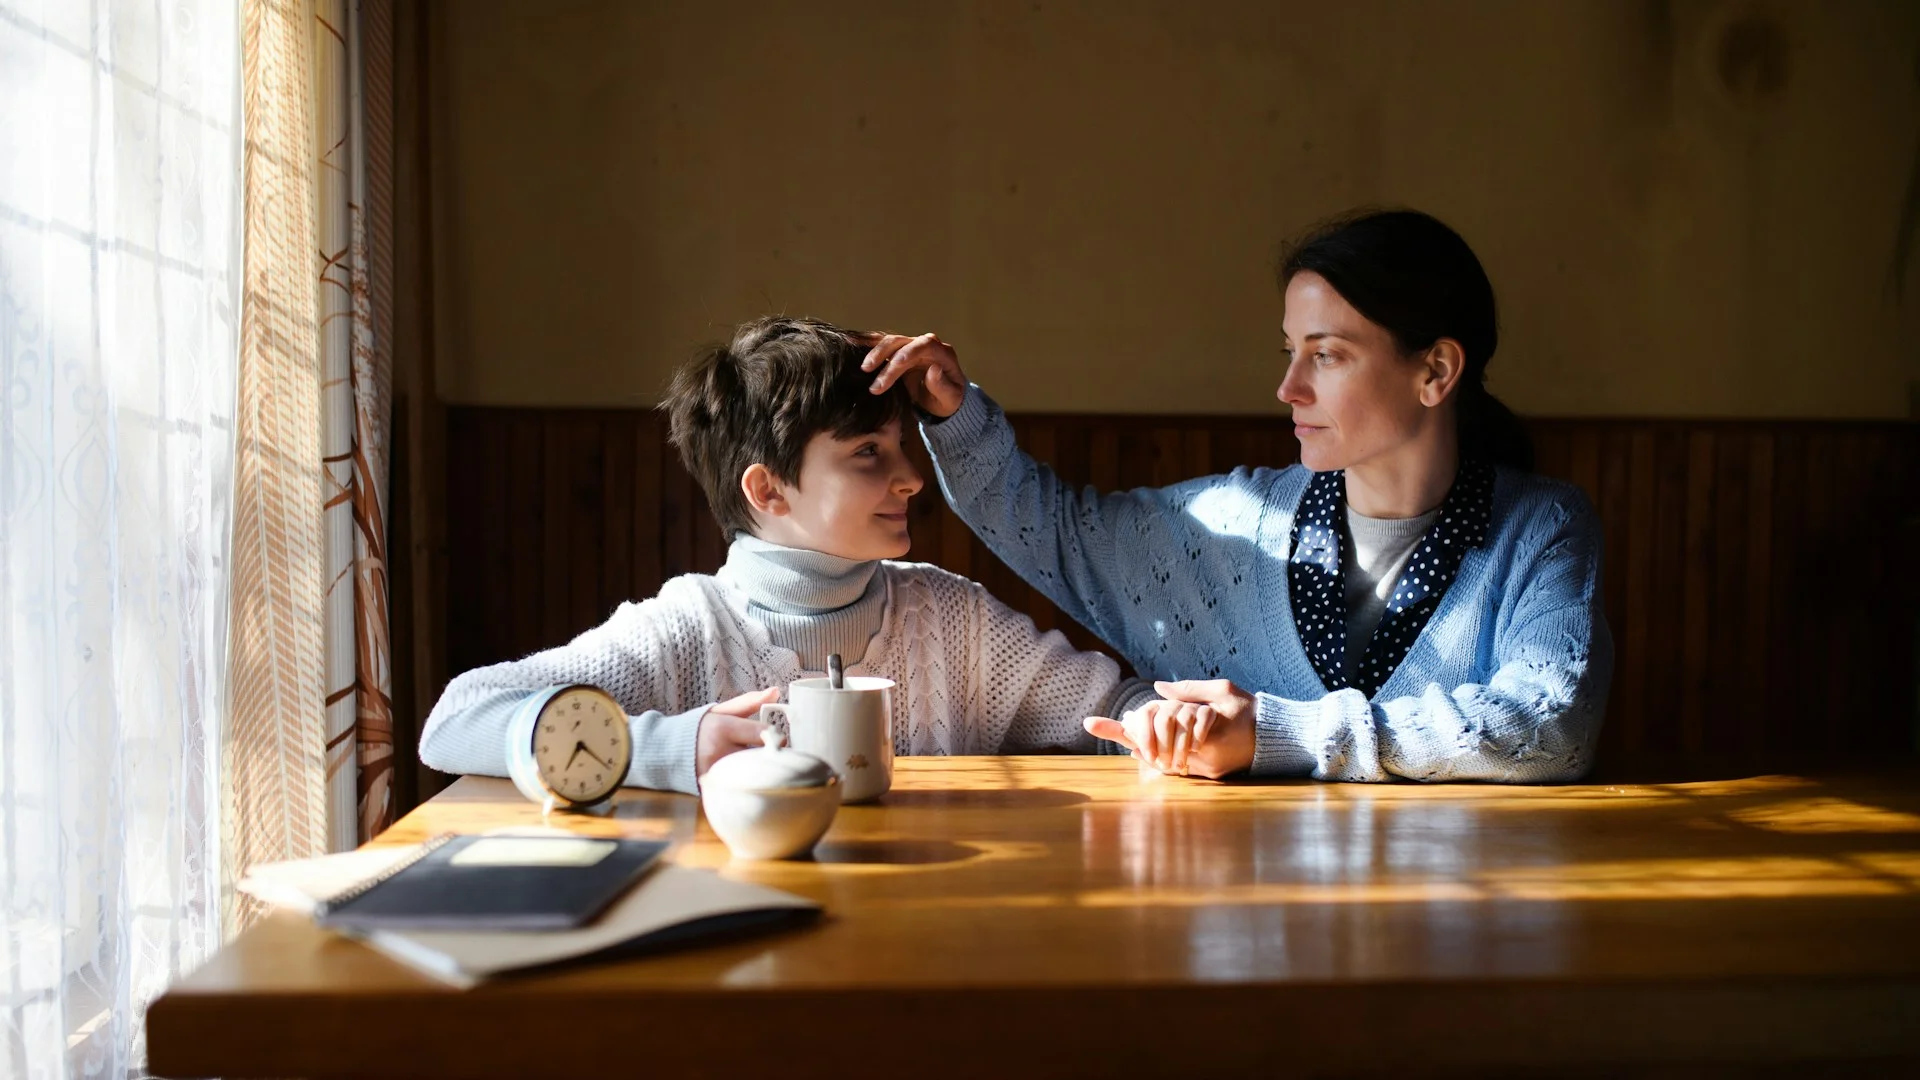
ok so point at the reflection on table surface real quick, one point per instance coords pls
(1067, 869)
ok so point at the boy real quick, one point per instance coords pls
(803, 467)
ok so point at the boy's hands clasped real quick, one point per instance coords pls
(1199, 728)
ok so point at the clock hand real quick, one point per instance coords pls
(603, 763)
(577, 747)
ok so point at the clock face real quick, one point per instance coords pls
(581, 745)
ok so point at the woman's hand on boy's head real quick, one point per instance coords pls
(930, 367)
(728, 726)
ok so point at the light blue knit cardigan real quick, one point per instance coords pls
(1507, 681)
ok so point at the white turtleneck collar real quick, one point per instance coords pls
(811, 602)
(795, 581)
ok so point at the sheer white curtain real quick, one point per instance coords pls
(118, 301)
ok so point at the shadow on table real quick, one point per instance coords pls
(981, 799)
(893, 852)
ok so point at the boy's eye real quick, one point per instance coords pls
(869, 450)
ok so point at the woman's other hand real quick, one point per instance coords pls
(1199, 728)
(930, 367)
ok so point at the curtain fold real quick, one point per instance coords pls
(275, 775)
(355, 405)
(373, 396)
(340, 337)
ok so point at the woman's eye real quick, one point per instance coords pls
(1323, 358)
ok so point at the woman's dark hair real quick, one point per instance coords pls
(1410, 273)
(762, 397)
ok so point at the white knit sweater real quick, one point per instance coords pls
(975, 676)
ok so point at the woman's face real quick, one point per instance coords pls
(1355, 395)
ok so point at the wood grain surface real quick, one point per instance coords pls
(1066, 916)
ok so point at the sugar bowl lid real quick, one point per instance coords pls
(769, 767)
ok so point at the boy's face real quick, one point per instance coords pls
(851, 500)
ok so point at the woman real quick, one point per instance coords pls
(1409, 601)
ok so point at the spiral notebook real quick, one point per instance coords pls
(670, 907)
(494, 883)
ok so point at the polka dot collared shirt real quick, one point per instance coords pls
(1315, 575)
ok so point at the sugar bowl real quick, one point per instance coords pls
(770, 802)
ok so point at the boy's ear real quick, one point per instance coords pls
(764, 491)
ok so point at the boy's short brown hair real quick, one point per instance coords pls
(762, 397)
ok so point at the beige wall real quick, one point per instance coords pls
(1686, 207)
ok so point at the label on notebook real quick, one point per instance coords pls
(533, 851)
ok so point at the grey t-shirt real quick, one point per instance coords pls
(1378, 549)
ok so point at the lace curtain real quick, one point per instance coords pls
(193, 594)
(119, 272)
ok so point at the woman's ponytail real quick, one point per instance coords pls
(1489, 430)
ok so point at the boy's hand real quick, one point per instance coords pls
(1199, 729)
(929, 365)
(730, 725)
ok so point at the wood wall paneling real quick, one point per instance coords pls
(1737, 555)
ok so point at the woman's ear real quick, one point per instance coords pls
(1444, 362)
(764, 491)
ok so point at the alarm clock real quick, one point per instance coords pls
(569, 747)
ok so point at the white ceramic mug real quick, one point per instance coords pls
(850, 729)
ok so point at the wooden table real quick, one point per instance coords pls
(1059, 915)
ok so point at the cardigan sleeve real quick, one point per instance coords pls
(652, 657)
(1102, 558)
(1535, 720)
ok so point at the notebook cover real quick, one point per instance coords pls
(675, 907)
(442, 890)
